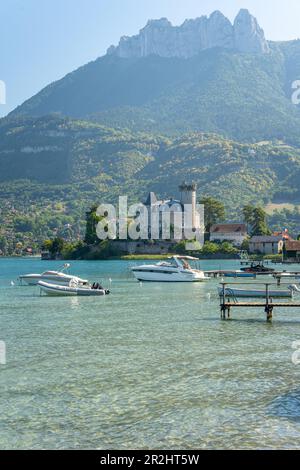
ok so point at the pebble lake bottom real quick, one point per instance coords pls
(150, 366)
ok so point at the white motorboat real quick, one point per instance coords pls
(257, 293)
(57, 277)
(73, 289)
(176, 269)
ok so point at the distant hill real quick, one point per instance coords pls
(89, 157)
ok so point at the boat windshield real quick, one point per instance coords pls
(168, 263)
(188, 263)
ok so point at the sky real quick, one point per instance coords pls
(43, 40)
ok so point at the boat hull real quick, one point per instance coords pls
(67, 291)
(144, 276)
(229, 292)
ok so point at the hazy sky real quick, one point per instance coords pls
(42, 40)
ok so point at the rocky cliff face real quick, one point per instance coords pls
(160, 38)
(248, 35)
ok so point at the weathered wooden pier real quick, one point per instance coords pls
(285, 275)
(228, 302)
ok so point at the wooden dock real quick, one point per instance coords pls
(279, 276)
(267, 304)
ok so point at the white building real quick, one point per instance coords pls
(266, 245)
(233, 233)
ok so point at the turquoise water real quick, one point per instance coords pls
(149, 366)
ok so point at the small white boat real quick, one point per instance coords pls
(73, 289)
(176, 269)
(58, 277)
(259, 293)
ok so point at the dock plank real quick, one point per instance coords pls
(259, 304)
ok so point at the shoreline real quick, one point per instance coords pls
(149, 258)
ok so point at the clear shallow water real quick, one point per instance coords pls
(149, 366)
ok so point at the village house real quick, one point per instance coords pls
(292, 251)
(234, 233)
(266, 245)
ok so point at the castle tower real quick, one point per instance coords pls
(188, 195)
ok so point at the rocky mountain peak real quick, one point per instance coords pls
(249, 36)
(160, 37)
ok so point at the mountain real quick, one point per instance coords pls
(241, 96)
(208, 101)
(56, 152)
(160, 38)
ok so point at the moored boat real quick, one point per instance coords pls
(258, 268)
(256, 293)
(176, 269)
(57, 277)
(73, 289)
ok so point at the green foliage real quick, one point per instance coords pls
(91, 225)
(214, 211)
(256, 218)
(286, 218)
(180, 248)
(245, 245)
(98, 164)
(225, 248)
(242, 96)
(57, 247)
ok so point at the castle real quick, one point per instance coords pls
(187, 203)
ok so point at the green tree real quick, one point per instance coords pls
(24, 224)
(228, 248)
(214, 211)
(3, 244)
(92, 220)
(47, 245)
(57, 247)
(210, 248)
(256, 218)
(248, 213)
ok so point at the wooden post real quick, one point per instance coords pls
(228, 312)
(269, 306)
(267, 295)
(223, 308)
(269, 312)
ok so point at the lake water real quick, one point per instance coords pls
(148, 367)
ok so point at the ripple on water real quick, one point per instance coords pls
(147, 367)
